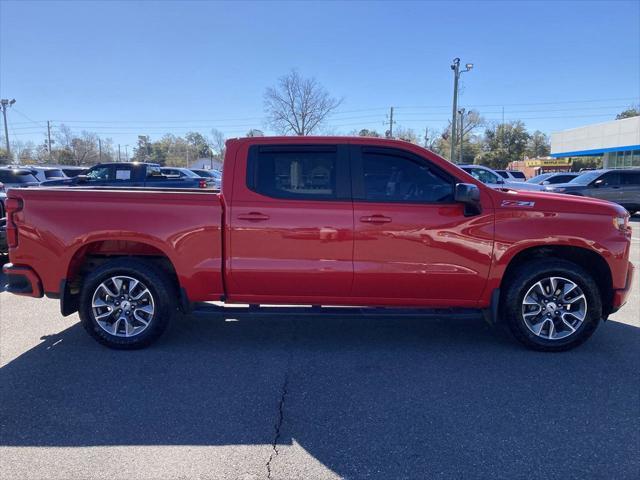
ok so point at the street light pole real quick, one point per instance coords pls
(461, 112)
(455, 66)
(4, 103)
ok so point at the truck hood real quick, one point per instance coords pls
(555, 202)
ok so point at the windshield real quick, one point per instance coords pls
(539, 178)
(17, 176)
(502, 173)
(54, 174)
(189, 173)
(586, 178)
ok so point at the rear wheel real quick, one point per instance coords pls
(126, 303)
(552, 305)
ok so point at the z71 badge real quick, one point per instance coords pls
(517, 203)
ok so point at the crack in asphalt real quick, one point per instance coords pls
(278, 424)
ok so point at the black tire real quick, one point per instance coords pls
(524, 278)
(160, 287)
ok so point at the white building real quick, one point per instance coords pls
(205, 163)
(617, 142)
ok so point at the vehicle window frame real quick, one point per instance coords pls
(110, 173)
(629, 175)
(612, 174)
(358, 183)
(342, 173)
(123, 167)
(498, 180)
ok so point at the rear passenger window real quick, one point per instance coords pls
(305, 173)
(396, 177)
(631, 178)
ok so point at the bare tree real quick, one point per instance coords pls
(218, 143)
(298, 105)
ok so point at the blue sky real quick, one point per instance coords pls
(123, 69)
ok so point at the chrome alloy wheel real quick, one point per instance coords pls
(554, 308)
(123, 306)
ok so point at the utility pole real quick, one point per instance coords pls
(461, 112)
(99, 150)
(126, 153)
(4, 103)
(49, 139)
(391, 122)
(455, 66)
(119, 153)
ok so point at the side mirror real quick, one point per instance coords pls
(599, 183)
(500, 181)
(82, 178)
(546, 182)
(469, 195)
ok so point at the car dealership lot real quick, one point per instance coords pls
(337, 397)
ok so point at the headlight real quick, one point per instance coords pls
(621, 222)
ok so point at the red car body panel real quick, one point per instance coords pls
(248, 248)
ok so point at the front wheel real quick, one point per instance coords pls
(126, 304)
(552, 305)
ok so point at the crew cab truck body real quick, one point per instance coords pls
(323, 221)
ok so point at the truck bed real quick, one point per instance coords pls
(56, 226)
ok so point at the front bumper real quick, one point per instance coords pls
(620, 296)
(22, 281)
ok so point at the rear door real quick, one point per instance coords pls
(631, 190)
(290, 224)
(413, 244)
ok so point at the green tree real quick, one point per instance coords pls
(365, 132)
(632, 111)
(503, 143)
(538, 145)
(198, 143)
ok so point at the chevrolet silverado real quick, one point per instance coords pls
(326, 222)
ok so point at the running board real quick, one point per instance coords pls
(279, 311)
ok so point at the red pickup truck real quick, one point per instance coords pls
(323, 221)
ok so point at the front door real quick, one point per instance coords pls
(606, 187)
(291, 225)
(413, 244)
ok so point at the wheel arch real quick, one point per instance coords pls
(591, 261)
(96, 252)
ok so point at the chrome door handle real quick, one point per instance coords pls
(253, 217)
(375, 219)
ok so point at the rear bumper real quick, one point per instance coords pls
(22, 281)
(620, 296)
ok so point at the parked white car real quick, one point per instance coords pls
(494, 180)
(512, 175)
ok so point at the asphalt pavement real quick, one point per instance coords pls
(316, 398)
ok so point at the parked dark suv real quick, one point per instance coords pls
(619, 186)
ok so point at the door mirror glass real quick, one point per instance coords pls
(599, 183)
(469, 195)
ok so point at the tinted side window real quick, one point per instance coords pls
(304, 173)
(502, 173)
(390, 177)
(123, 173)
(631, 178)
(99, 173)
(485, 176)
(610, 179)
(561, 179)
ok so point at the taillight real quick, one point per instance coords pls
(13, 205)
(202, 184)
